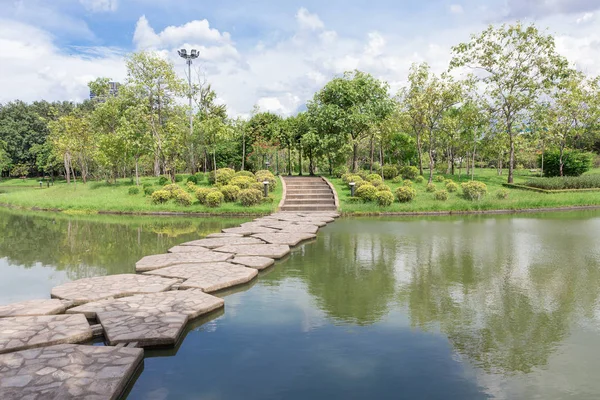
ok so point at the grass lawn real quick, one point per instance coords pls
(517, 199)
(100, 196)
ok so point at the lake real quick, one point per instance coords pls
(503, 307)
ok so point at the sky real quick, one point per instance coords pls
(274, 54)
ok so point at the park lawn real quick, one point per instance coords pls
(99, 196)
(424, 202)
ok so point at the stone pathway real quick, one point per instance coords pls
(150, 263)
(21, 333)
(208, 277)
(142, 310)
(306, 193)
(102, 287)
(68, 371)
(33, 308)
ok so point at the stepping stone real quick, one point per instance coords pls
(68, 371)
(311, 221)
(222, 235)
(255, 262)
(102, 287)
(219, 242)
(208, 277)
(300, 228)
(191, 303)
(21, 333)
(150, 320)
(288, 238)
(247, 231)
(188, 249)
(33, 308)
(263, 250)
(150, 263)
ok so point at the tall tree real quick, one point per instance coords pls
(351, 106)
(516, 64)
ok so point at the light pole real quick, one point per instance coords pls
(188, 58)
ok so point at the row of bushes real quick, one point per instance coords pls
(242, 179)
(591, 181)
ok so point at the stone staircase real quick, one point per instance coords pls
(308, 194)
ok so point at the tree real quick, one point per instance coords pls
(516, 65)
(350, 107)
(5, 161)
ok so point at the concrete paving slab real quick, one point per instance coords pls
(150, 263)
(33, 308)
(275, 251)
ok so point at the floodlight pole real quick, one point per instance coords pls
(188, 59)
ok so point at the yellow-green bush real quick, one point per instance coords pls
(374, 178)
(419, 179)
(171, 188)
(362, 183)
(502, 194)
(384, 198)
(268, 177)
(441, 195)
(474, 190)
(407, 182)
(367, 192)
(183, 198)
(230, 193)
(439, 178)
(245, 173)
(213, 199)
(430, 188)
(161, 196)
(191, 186)
(409, 172)
(250, 197)
(404, 194)
(243, 182)
(451, 186)
(202, 192)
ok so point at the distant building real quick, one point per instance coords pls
(113, 90)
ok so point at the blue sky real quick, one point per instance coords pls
(274, 54)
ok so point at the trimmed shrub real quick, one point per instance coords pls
(263, 176)
(250, 197)
(213, 199)
(419, 179)
(362, 173)
(257, 186)
(263, 172)
(430, 188)
(451, 186)
(383, 188)
(178, 178)
(193, 179)
(243, 182)
(183, 198)
(474, 190)
(160, 196)
(384, 198)
(591, 181)
(374, 178)
(191, 186)
(338, 172)
(407, 182)
(230, 193)
(390, 171)
(367, 192)
(221, 177)
(441, 195)
(439, 178)
(353, 178)
(502, 194)
(171, 188)
(346, 177)
(163, 180)
(409, 172)
(202, 192)
(148, 191)
(133, 190)
(200, 177)
(245, 173)
(362, 183)
(397, 179)
(404, 194)
(575, 163)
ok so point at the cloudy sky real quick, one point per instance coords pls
(271, 53)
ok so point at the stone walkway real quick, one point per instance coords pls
(134, 310)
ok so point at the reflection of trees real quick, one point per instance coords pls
(506, 295)
(350, 275)
(84, 245)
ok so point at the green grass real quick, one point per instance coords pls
(517, 199)
(100, 196)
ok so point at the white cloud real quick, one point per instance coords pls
(306, 20)
(456, 9)
(585, 18)
(100, 5)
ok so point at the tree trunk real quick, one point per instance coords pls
(354, 156)
(372, 154)
(67, 168)
(420, 152)
(300, 161)
(431, 166)
(543, 151)
(500, 162)
(560, 159)
(290, 160)
(137, 175)
(511, 163)
(156, 165)
(243, 150)
(473, 168)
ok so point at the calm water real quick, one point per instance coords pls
(448, 308)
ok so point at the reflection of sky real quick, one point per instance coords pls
(18, 283)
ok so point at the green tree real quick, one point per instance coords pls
(517, 64)
(350, 107)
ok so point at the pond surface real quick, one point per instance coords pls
(502, 307)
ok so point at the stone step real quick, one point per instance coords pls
(308, 201)
(308, 208)
(315, 186)
(300, 191)
(301, 196)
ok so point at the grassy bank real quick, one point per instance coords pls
(517, 199)
(102, 197)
